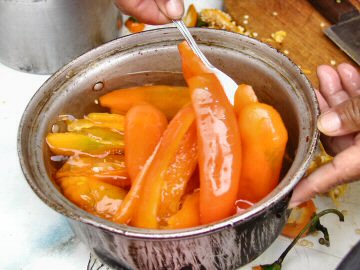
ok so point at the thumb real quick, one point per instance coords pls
(173, 9)
(341, 119)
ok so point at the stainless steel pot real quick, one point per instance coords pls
(42, 36)
(152, 57)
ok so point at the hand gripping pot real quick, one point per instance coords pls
(152, 57)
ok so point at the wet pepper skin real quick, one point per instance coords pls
(168, 99)
(263, 140)
(219, 143)
(149, 183)
(142, 120)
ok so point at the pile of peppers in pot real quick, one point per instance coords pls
(171, 157)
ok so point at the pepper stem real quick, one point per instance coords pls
(313, 225)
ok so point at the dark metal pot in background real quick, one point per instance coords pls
(42, 36)
(152, 57)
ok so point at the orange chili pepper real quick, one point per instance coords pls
(244, 95)
(191, 65)
(142, 120)
(299, 217)
(110, 169)
(218, 139)
(168, 99)
(189, 214)
(105, 120)
(134, 25)
(92, 195)
(146, 215)
(88, 141)
(191, 17)
(194, 181)
(263, 139)
(179, 175)
(140, 206)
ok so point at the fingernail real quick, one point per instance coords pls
(174, 9)
(329, 122)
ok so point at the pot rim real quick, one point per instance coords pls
(80, 215)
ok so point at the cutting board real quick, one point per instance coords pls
(305, 43)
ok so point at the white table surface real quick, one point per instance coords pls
(34, 237)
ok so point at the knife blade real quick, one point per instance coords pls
(345, 31)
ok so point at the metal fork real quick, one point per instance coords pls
(228, 84)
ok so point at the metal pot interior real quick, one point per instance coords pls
(152, 57)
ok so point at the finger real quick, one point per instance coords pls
(334, 145)
(145, 11)
(324, 106)
(330, 85)
(344, 168)
(342, 119)
(173, 9)
(350, 79)
(357, 138)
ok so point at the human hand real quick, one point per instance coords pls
(339, 100)
(152, 11)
